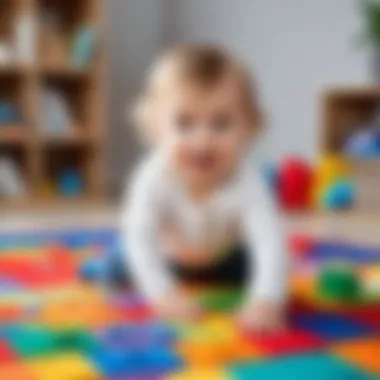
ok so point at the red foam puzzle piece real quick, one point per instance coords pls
(369, 316)
(287, 342)
(136, 313)
(56, 266)
(300, 245)
(6, 353)
(10, 314)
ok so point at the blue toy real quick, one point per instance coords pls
(109, 269)
(340, 195)
(9, 113)
(364, 144)
(84, 46)
(70, 183)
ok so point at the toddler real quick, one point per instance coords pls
(197, 210)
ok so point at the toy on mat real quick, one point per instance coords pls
(70, 183)
(339, 282)
(341, 195)
(332, 185)
(109, 269)
(294, 181)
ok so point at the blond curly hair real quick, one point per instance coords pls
(200, 65)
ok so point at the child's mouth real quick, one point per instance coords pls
(204, 161)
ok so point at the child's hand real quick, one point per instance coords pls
(262, 317)
(178, 306)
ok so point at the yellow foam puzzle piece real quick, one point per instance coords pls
(63, 367)
(213, 327)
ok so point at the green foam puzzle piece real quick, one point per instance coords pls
(222, 299)
(33, 341)
(30, 342)
(74, 340)
(309, 367)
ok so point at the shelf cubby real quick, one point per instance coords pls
(41, 155)
(347, 110)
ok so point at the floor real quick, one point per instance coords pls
(359, 228)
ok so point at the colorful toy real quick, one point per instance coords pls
(84, 44)
(364, 144)
(339, 282)
(294, 181)
(55, 326)
(340, 195)
(11, 181)
(56, 113)
(70, 183)
(331, 170)
(9, 113)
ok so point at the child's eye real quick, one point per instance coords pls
(221, 122)
(184, 122)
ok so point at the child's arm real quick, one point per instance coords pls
(266, 292)
(140, 230)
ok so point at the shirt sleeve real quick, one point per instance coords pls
(264, 235)
(140, 224)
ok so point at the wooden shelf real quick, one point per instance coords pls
(23, 85)
(66, 72)
(14, 138)
(68, 140)
(347, 110)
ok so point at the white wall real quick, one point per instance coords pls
(295, 47)
(135, 37)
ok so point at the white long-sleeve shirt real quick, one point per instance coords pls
(244, 202)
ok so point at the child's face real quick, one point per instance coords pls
(206, 131)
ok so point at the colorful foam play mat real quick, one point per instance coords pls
(58, 322)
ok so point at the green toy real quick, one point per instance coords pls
(339, 282)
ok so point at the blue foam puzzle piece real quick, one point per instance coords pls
(330, 326)
(141, 335)
(70, 238)
(122, 362)
(301, 367)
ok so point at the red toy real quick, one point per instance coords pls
(294, 184)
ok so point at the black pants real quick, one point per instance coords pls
(234, 269)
